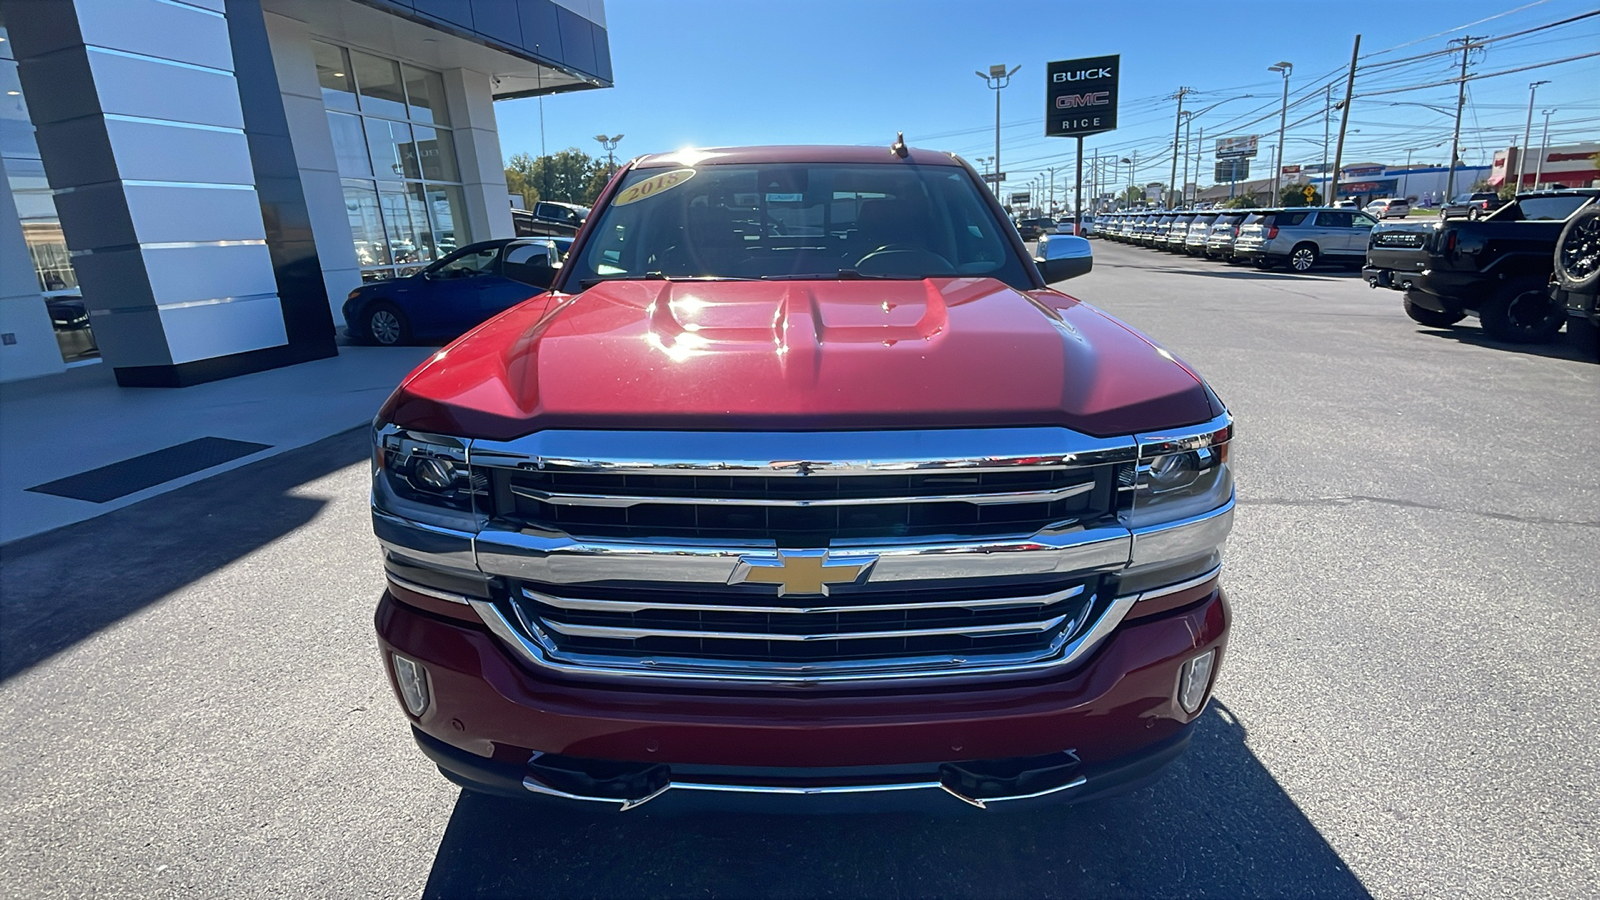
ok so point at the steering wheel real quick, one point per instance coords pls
(894, 259)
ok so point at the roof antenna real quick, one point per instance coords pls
(898, 148)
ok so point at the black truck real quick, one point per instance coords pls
(1497, 268)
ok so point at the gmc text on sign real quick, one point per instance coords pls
(1081, 96)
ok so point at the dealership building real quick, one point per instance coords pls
(192, 187)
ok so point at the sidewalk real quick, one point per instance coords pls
(66, 425)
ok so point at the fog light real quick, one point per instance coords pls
(1193, 679)
(413, 681)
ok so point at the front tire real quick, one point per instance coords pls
(1431, 318)
(385, 325)
(1303, 257)
(1521, 312)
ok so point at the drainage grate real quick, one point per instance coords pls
(132, 475)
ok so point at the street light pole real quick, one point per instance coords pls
(1327, 112)
(1282, 68)
(997, 79)
(1544, 149)
(610, 143)
(1527, 132)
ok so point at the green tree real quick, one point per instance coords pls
(1243, 201)
(1132, 195)
(566, 176)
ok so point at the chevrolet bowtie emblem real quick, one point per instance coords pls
(802, 571)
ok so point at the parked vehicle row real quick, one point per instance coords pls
(1300, 238)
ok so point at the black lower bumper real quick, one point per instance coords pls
(814, 792)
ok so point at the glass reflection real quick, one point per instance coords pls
(378, 80)
(333, 73)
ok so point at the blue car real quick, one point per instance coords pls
(445, 299)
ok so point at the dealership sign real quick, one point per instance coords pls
(1081, 96)
(1237, 147)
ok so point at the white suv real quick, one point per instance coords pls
(1393, 208)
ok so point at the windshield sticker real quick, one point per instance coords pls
(652, 186)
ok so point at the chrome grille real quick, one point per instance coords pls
(857, 626)
(800, 511)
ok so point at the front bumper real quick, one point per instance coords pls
(490, 717)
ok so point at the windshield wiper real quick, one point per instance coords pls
(841, 275)
(587, 283)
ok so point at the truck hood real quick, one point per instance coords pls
(799, 356)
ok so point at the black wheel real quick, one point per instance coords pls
(1522, 312)
(1578, 252)
(1303, 257)
(385, 325)
(1430, 318)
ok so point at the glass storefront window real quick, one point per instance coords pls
(366, 225)
(437, 154)
(397, 158)
(378, 81)
(406, 222)
(333, 73)
(393, 155)
(36, 213)
(444, 201)
(349, 144)
(425, 91)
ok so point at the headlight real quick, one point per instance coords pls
(1179, 475)
(1177, 501)
(414, 473)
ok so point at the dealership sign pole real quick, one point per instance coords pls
(1080, 100)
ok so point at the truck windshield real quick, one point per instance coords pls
(798, 221)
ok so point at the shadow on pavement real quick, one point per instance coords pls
(53, 596)
(1565, 346)
(1216, 824)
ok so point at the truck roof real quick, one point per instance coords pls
(793, 153)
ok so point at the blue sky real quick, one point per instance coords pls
(719, 72)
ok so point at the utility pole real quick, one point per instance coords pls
(1199, 151)
(1544, 149)
(1527, 132)
(1282, 68)
(1052, 171)
(1344, 121)
(1177, 123)
(997, 79)
(1461, 104)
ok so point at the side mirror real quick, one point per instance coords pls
(1063, 256)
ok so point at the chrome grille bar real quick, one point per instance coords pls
(633, 606)
(626, 633)
(612, 500)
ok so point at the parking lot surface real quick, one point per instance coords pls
(195, 705)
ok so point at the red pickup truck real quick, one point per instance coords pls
(802, 485)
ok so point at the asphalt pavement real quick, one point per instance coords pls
(194, 705)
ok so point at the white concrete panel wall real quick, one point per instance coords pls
(163, 74)
(22, 311)
(477, 137)
(313, 153)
